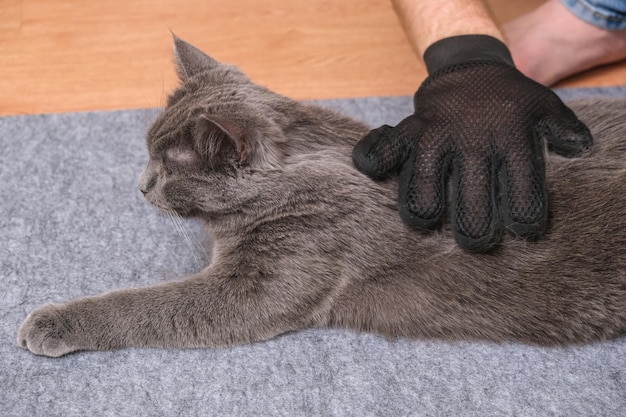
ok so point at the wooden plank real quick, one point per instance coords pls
(10, 17)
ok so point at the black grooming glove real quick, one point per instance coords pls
(481, 123)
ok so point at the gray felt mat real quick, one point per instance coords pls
(74, 224)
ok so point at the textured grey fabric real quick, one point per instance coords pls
(72, 224)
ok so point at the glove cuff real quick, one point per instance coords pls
(465, 48)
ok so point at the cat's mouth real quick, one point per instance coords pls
(157, 204)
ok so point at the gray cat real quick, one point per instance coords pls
(302, 239)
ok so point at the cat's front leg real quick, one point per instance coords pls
(202, 311)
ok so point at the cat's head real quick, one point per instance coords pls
(217, 127)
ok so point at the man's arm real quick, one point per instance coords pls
(428, 21)
(479, 123)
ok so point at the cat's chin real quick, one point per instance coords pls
(164, 208)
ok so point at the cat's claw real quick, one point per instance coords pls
(45, 332)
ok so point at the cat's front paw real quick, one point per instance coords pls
(47, 331)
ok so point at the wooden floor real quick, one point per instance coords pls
(73, 55)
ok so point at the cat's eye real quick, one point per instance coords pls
(165, 170)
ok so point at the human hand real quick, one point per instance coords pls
(482, 124)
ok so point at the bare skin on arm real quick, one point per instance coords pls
(426, 22)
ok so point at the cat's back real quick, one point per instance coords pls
(570, 285)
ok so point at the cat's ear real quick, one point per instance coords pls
(219, 142)
(190, 60)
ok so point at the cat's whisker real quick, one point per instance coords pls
(183, 233)
(197, 249)
(202, 250)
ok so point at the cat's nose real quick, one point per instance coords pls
(145, 181)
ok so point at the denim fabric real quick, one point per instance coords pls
(605, 14)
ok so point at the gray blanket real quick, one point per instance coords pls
(72, 223)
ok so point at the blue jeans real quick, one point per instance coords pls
(605, 14)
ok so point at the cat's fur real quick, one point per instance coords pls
(302, 239)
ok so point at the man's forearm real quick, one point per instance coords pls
(427, 21)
